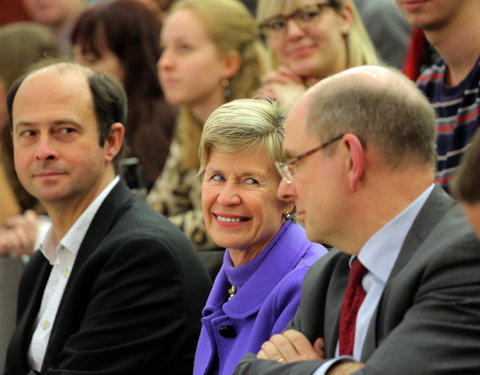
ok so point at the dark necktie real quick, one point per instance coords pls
(354, 296)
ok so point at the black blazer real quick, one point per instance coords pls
(428, 318)
(132, 304)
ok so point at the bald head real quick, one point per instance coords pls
(381, 107)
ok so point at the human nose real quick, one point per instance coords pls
(228, 195)
(45, 150)
(293, 30)
(165, 61)
(286, 191)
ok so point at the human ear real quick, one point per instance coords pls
(113, 143)
(232, 64)
(346, 19)
(354, 162)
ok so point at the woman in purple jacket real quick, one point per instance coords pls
(257, 291)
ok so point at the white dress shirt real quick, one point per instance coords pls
(61, 255)
(378, 255)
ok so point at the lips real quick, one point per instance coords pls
(48, 173)
(169, 81)
(299, 52)
(413, 4)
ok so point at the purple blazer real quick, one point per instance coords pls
(264, 304)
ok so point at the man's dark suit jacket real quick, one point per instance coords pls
(428, 318)
(132, 304)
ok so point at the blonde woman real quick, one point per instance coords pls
(211, 55)
(309, 40)
(257, 290)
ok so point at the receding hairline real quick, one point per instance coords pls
(367, 75)
(62, 68)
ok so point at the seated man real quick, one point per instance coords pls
(400, 293)
(115, 289)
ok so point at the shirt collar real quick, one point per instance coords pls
(380, 252)
(74, 237)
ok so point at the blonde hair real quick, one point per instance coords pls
(232, 28)
(243, 125)
(360, 49)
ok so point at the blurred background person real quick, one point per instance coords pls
(452, 83)
(58, 15)
(310, 40)
(211, 55)
(466, 185)
(257, 291)
(23, 44)
(388, 30)
(122, 38)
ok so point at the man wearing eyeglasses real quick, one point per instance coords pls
(399, 294)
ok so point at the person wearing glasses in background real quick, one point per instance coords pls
(257, 291)
(309, 40)
(399, 293)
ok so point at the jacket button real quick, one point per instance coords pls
(227, 331)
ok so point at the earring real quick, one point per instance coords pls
(345, 30)
(227, 92)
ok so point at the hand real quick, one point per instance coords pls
(18, 235)
(291, 346)
(345, 368)
(284, 86)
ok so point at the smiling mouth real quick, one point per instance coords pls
(230, 219)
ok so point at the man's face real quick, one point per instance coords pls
(431, 15)
(317, 186)
(472, 212)
(57, 154)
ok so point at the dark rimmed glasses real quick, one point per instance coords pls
(285, 168)
(304, 17)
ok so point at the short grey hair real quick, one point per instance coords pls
(243, 125)
(383, 108)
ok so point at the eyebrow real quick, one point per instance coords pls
(54, 123)
(247, 173)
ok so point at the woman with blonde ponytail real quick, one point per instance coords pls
(211, 55)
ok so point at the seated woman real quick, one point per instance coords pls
(122, 38)
(23, 44)
(308, 41)
(211, 55)
(257, 290)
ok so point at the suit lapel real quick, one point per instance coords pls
(20, 342)
(336, 292)
(97, 231)
(432, 211)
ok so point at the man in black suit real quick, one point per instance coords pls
(115, 289)
(360, 150)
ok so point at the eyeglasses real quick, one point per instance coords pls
(285, 168)
(304, 18)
